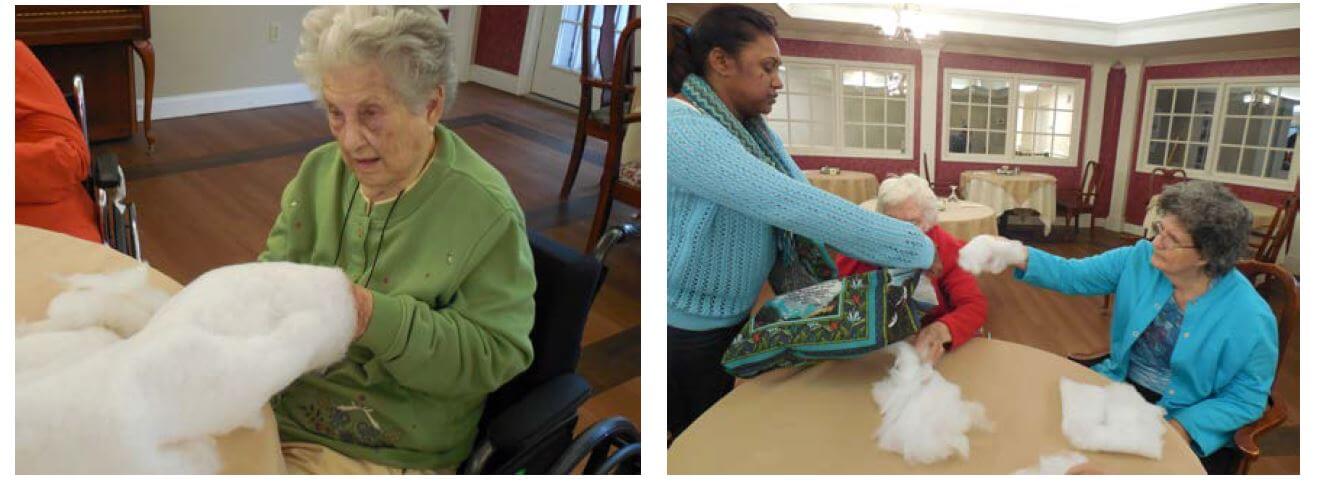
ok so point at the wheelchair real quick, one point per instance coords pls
(116, 218)
(527, 425)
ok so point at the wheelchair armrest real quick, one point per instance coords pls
(539, 412)
(105, 171)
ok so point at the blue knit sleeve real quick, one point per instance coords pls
(1090, 276)
(707, 161)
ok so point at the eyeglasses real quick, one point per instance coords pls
(1170, 242)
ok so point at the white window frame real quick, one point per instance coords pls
(576, 70)
(1010, 147)
(1216, 130)
(838, 149)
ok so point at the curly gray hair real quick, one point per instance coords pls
(410, 42)
(1217, 221)
(896, 190)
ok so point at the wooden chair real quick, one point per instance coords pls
(1074, 202)
(1279, 289)
(618, 180)
(598, 123)
(940, 190)
(1266, 243)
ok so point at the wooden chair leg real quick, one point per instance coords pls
(575, 159)
(604, 203)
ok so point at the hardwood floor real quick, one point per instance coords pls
(209, 193)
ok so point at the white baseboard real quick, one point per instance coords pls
(490, 77)
(202, 103)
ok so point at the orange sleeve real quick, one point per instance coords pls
(50, 155)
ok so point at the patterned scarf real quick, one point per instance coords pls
(801, 261)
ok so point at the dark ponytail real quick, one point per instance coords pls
(728, 27)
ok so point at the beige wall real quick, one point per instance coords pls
(215, 48)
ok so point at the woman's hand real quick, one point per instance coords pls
(930, 341)
(993, 254)
(364, 303)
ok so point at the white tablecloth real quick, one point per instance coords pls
(979, 188)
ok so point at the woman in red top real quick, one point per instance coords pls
(962, 308)
(50, 156)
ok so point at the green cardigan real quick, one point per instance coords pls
(453, 305)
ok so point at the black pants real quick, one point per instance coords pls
(1223, 461)
(696, 378)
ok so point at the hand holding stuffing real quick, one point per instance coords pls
(993, 254)
(930, 341)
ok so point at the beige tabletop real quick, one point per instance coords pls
(853, 186)
(40, 253)
(1261, 215)
(1027, 190)
(821, 420)
(963, 219)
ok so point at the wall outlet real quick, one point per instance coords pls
(273, 32)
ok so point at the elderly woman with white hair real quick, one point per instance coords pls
(962, 307)
(429, 233)
(1189, 331)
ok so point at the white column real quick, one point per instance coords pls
(1127, 133)
(930, 100)
(1095, 116)
(531, 41)
(463, 28)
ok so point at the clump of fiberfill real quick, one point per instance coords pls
(925, 418)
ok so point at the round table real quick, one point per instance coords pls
(853, 186)
(1028, 190)
(40, 253)
(963, 219)
(821, 420)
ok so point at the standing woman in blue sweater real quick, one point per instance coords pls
(732, 190)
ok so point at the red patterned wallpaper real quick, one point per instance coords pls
(500, 37)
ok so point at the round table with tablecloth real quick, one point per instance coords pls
(853, 186)
(821, 419)
(1001, 192)
(41, 254)
(963, 219)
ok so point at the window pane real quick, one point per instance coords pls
(875, 110)
(980, 93)
(1178, 130)
(958, 141)
(1183, 102)
(1239, 99)
(999, 118)
(1177, 151)
(780, 129)
(1042, 145)
(1205, 101)
(799, 133)
(977, 144)
(1163, 100)
(822, 108)
(1201, 129)
(572, 13)
(852, 109)
(1196, 155)
(1275, 164)
(852, 136)
(1063, 122)
(875, 137)
(1155, 155)
(799, 107)
(1064, 100)
(1044, 122)
(1289, 103)
(807, 78)
(1264, 103)
(1285, 134)
(896, 112)
(997, 141)
(894, 138)
(958, 118)
(999, 92)
(1061, 147)
(1029, 95)
(852, 82)
(1159, 128)
(1045, 95)
(980, 117)
(1253, 161)
(1228, 159)
(959, 90)
(1234, 128)
(778, 111)
(822, 134)
(1257, 132)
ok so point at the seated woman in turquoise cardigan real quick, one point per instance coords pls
(1188, 331)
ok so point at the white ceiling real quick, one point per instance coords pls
(1107, 23)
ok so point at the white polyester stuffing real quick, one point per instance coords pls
(1058, 463)
(1113, 418)
(993, 254)
(203, 365)
(925, 418)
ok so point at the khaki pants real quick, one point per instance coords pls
(310, 458)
